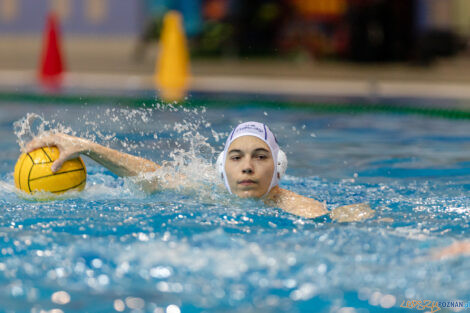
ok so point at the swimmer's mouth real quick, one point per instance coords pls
(246, 182)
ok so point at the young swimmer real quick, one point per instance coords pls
(250, 165)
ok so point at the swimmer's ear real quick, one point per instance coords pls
(220, 164)
(281, 164)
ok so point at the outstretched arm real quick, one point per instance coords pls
(295, 204)
(310, 208)
(120, 163)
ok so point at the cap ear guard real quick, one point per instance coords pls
(281, 164)
(220, 165)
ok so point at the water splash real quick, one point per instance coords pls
(111, 247)
(35, 125)
(173, 136)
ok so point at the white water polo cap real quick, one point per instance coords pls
(262, 132)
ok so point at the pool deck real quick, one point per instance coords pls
(111, 64)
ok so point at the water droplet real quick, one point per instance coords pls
(60, 297)
(173, 308)
(135, 303)
(119, 305)
(97, 263)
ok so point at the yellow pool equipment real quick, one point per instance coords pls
(172, 66)
(33, 172)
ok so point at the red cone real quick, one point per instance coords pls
(50, 74)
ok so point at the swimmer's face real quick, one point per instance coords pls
(249, 167)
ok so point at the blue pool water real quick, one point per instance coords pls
(112, 248)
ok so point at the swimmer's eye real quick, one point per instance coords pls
(235, 158)
(261, 157)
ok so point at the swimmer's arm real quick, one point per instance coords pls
(127, 165)
(310, 208)
(295, 204)
(120, 163)
(352, 213)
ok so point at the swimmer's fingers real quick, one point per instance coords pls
(69, 146)
(48, 141)
(60, 161)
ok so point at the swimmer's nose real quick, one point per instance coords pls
(247, 171)
(247, 167)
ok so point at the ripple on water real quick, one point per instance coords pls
(112, 247)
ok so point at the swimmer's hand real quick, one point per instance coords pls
(295, 204)
(352, 213)
(69, 147)
(120, 163)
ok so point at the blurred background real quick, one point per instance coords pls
(365, 40)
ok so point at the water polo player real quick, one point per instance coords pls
(251, 166)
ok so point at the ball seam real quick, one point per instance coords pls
(54, 174)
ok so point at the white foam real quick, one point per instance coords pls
(180, 142)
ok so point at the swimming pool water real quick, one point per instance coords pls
(112, 248)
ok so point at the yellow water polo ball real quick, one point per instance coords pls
(33, 172)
